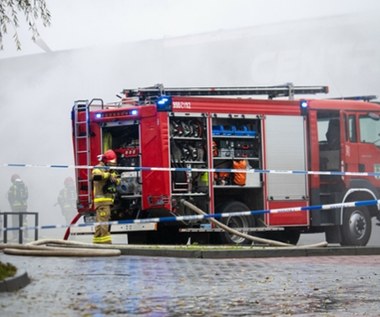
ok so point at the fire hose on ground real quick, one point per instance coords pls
(247, 236)
(57, 247)
(53, 247)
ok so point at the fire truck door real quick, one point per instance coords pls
(369, 144)
(351, 150)
(362, 144)
(285, 149)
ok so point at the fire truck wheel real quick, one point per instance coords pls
(357, 226)
(235, 223)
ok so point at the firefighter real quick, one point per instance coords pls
(105, 182)
(18, 201)
(67, 199)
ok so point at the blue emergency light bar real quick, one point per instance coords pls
(164, 103)
(118, 113)
(304, 106)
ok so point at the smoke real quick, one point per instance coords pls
(38, 91)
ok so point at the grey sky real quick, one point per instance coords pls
(97, 22)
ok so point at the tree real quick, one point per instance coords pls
(33, 10)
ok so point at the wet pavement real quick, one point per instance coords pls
(165, 286)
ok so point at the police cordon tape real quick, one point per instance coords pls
(201, 217)
(199, 170)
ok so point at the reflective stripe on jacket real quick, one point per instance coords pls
(104, 239)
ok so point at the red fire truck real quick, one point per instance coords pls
(185, 144)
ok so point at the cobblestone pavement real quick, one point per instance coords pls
(159, 286)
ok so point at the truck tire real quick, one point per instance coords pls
(236, 222)
(357, 226)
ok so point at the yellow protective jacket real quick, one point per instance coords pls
(104, 181)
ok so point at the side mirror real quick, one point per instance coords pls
(374, 116)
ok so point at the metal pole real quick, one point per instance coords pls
(5, 227)
(19, 227)
(36, 226)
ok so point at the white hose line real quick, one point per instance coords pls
(62, 252)
(308, 246)
(246, 236)
(233, 231)
(68, 243)
(39, 248)
(76, 244)
(56, 241)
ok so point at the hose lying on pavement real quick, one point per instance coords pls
(244, 235)
(67, 248)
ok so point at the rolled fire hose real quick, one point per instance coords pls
(40, 248)
(244, 235)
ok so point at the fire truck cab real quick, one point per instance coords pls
(188, 144)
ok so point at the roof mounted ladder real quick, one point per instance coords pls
(81, 131)
(287, 90)
(366, 98)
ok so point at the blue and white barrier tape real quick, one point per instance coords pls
(200, 170)
(201, 217)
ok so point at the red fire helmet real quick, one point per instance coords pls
(109, 157)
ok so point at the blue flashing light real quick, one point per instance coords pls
(134, 112)
(164, 103)
(98, 115)
(304, 105)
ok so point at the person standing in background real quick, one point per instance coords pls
(67, 200)
(18, 200)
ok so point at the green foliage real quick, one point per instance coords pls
(33, 10)
(7, 270)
